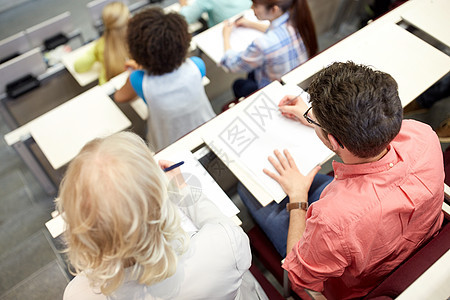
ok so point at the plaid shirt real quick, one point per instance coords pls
(270, 56)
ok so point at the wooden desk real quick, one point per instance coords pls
(84, 78)
(431, 16)
(413, 63)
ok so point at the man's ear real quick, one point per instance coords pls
(335, 145)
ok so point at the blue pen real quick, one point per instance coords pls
(173, 166)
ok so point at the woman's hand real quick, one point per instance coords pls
(295, 184)
(242, 22)
(174, 174)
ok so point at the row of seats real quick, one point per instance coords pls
(46, 35)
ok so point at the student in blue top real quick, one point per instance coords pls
(170, 84)
(289, 41)
(217, 10)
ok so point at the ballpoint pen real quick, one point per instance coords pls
(173, 166)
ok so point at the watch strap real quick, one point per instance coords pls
(297, 205)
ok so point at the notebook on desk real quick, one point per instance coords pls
(211, 40)
(199, 180)
(245, 140)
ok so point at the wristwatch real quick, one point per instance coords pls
(297, 205)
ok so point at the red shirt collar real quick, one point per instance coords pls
(388, 161)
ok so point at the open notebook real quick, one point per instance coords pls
(211, 40)
(200, 181)
(246, 139)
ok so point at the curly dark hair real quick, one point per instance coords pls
(357, 105)
(158, 41)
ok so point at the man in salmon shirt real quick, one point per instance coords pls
(384, 201)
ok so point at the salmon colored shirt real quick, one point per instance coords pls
(371, 217)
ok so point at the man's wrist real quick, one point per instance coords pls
(297, 205)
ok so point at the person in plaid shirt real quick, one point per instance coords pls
(289, 41)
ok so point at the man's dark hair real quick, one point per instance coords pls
(158, 41)
(357, 105)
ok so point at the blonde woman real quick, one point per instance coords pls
(124, 238)
(111, 48)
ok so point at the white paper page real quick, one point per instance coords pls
(259, 128)
(211, 40)
(196, 176)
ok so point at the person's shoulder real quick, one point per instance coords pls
(326, 213)
(223, 227)
(415, 135)
(341, 208)
(199, 63)
(272, 37)
(222, 234)
(79, 288)
(415, 125)
(225, 240)
(137, 75)
(100, 44)
(100, 41)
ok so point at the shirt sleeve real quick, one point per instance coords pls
(200, 64)
(136, 79)
(194, 11)
(231, 245)
(247, 60)
(321, 253)
(209, 219)
(200, 209)
(87, 60)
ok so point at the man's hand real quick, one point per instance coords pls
(293, 107)
(183, 2)
(294, 183)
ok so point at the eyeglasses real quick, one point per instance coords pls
(311, 121)
(308, 119)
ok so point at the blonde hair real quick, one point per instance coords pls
(114, 200)
(115, 17)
